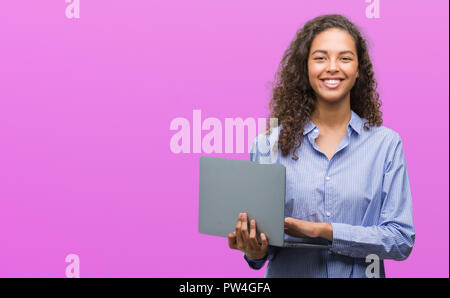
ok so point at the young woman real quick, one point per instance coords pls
(346, 174)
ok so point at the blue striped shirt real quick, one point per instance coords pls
(363, 192)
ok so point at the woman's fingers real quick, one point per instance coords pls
(254, 244)
(239, 240)
(252, 237)
(264, 241)
(232, 240)
(241, 231)
(246, 240)
(244, 227)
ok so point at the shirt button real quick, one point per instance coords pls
(328, 178)
(329, 252)
(328, 214)
(339, 252)
(316, 130)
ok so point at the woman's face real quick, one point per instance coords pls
(333, 65)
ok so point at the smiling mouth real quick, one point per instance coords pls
(332, 84)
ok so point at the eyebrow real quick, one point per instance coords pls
(340, 53)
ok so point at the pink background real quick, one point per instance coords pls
(86, 104)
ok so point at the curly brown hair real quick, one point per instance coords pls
(293, 99)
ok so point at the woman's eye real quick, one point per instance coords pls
(322, 58)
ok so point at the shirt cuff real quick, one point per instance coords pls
(255, 264)
(341, 240)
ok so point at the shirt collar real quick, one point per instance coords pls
(355, 123)
(308, 127)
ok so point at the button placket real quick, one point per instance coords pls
(327, 192)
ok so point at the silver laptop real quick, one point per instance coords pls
(229, 187)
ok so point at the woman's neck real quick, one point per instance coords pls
(334, 116)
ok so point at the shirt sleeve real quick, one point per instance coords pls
(255, 264)
(393, 237)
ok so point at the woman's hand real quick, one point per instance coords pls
(307, 229)
(246, 242)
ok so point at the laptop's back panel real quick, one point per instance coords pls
(228, 187)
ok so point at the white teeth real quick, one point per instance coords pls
(332, 82)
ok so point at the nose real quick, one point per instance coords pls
(332, 66)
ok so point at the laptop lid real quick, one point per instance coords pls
(229, 187)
